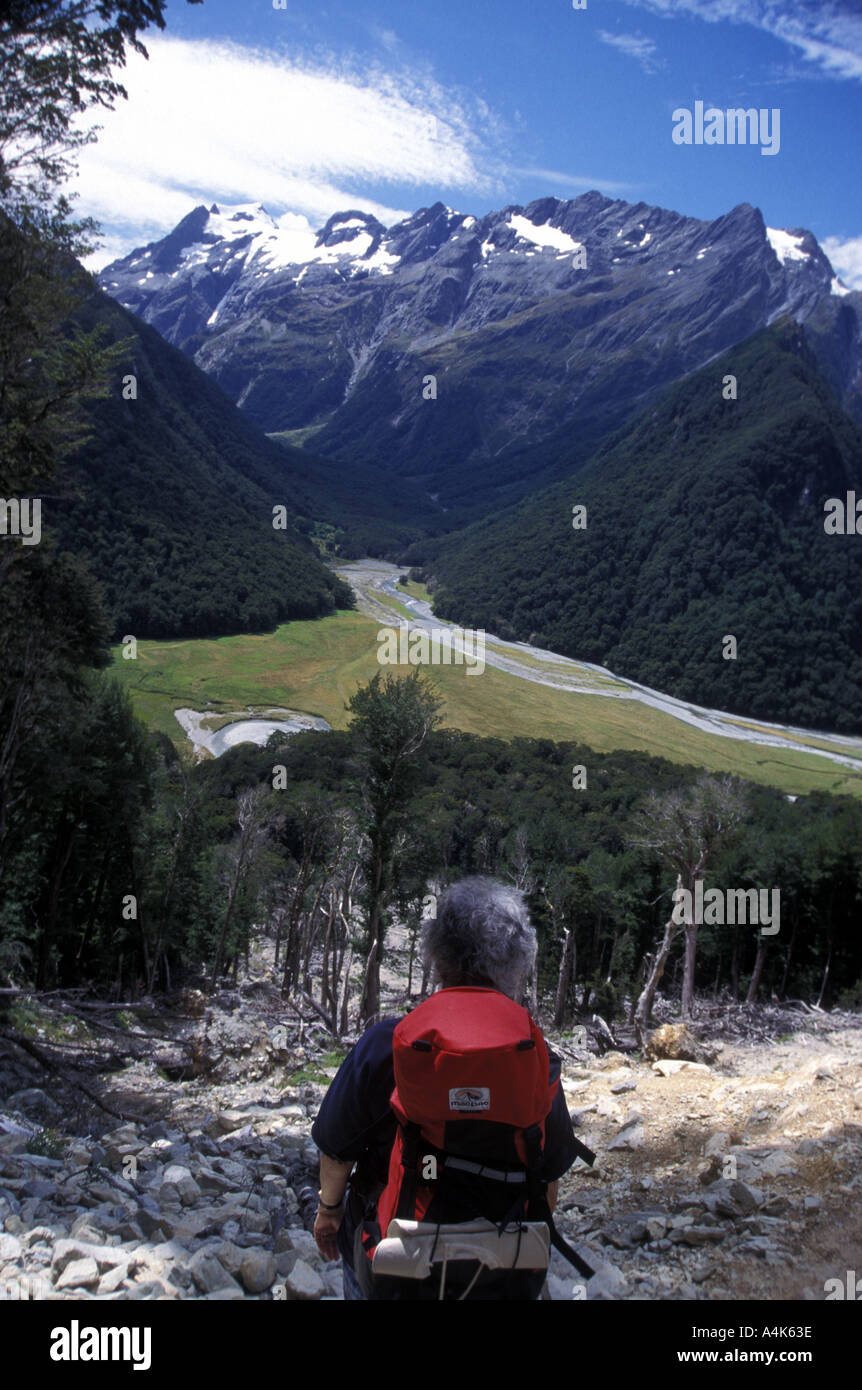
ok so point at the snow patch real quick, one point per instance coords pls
(294, 243)
(382, 260)
(231, 221)
(543, 236)
(291, 242)
(837, 287)
(356, 247)
(785, 246)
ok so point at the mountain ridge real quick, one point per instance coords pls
(327, 337)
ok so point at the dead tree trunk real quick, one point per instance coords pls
(370, 986)
(533, 992)
(184, 814)
(412, 960)
(825, 977)
(734, 965)
(328, 956)
(561, 1002)
(688, 972)
(758, 968)
(344, 1015)
(643, 1012)
(248, 820)
(783, 986)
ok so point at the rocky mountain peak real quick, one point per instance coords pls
(568, 313)
(353, 226)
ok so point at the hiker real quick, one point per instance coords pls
(480, 947)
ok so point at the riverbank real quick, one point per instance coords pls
(227, 730)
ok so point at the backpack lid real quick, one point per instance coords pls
(468, 1053)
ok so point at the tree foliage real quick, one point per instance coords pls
(57, 62)
(392, 719)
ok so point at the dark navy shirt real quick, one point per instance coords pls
(356, 1122)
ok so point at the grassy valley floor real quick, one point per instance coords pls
(316, 666)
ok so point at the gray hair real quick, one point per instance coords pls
(482, 935)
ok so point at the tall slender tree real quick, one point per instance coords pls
(392, 718)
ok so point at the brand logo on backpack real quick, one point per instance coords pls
(470, 1098)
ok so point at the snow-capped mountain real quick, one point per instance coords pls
(227, 242)
(544, 326)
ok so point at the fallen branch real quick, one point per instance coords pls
(572, 1053)
(50, 1065)
(108, 1008)
(294, 1008)
(312, 1004)
(69, 994)
(112, 1028)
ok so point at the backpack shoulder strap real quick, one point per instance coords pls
(411, 1135)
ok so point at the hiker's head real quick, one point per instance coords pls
(481, 935)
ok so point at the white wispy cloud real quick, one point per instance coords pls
(387, 37)
(846, 257)
(558, 179)
(207, 120)
(826, 33)
(635, 46)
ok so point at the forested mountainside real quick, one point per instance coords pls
(171, 500)
(704, 519)
(543, 327)
(362, 509)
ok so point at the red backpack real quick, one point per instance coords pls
(472, 1094)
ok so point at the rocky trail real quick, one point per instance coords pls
(733, 1178)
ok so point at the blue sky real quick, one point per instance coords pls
(392, 105)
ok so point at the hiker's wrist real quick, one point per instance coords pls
(325, 1205)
